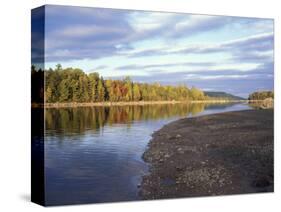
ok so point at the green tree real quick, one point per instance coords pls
(64, 92)
(136, 92)
(128, 89)
(101, 91)
(110, 90)
(58, 67)
(48, 95)
(93, 86)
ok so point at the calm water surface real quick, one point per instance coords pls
(93, 154)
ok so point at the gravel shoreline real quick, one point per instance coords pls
(219, 154)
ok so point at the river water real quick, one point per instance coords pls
(93, 154)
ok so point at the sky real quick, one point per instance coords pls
(213, 53)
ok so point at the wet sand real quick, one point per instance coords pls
(219, 154)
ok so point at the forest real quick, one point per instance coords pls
(261, 95)
(74, 85)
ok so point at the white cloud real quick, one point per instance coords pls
(211, 77)
(86, 30)
(147, 21)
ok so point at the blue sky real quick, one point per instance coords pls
(217, 53)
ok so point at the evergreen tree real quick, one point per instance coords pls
(64, 92)
(48, 95)
(109, 88)
(101, 91)
(93, 85)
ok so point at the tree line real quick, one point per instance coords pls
(261, 95)
(74, 85)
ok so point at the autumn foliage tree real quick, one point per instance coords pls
(261, 95)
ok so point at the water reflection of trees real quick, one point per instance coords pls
(77, 120)
(93, 118)
(262, 104)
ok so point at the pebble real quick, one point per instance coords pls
(178, 136)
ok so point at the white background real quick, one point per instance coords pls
(15, 104)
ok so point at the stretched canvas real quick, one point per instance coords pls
(138, 105)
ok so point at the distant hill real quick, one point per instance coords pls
(218, 94)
